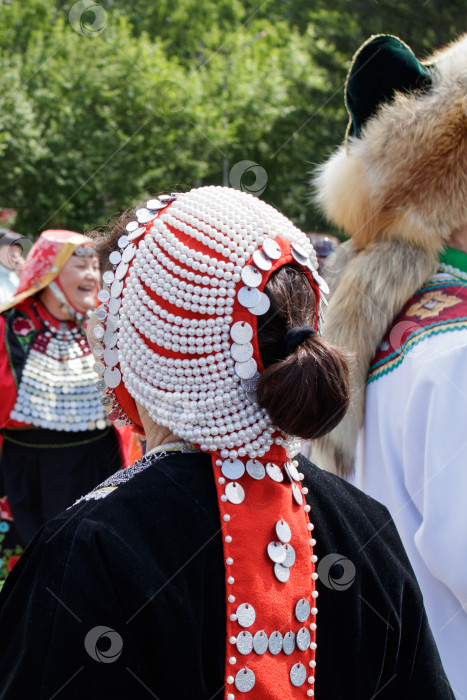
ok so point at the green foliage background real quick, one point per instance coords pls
(141, 97)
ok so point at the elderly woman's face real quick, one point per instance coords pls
(80, 280)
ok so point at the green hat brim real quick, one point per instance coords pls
(382, 66)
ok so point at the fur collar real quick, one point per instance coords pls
(399, 191)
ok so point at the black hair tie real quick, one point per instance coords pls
(296, 336)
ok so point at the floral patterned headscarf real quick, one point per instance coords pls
(44, 262)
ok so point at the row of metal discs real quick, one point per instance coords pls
(114, 280)
(241, 351)
(245, 615)
(302, 258)
(275, 643)
(258, 303)
(134, 229)
(245, 678)
(234, 469)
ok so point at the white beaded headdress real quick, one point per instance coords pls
(179, 313)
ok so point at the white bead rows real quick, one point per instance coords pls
(207, 398)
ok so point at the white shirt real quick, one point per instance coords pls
(8, 284)
(412, 456)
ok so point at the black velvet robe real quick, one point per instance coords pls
(146, 562)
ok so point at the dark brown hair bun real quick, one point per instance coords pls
(306, 392)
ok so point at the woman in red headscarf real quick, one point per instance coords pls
(57, 439)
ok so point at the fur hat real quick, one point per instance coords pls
(398, 187)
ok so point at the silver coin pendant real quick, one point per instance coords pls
(248, 297)
(262, 307)
(275, 643)
(241, 352)
(246, 615)
(246, 370)
(293, 471)
(233, 468)
(129, 253)
(283, 531)
(245, 680)
(274, 472)
(115, 257)
(298, 675)
(235, 493)
(260, 642)
(241, 332)
(244, 642)
(261, 260)
(112, 377)
(302, 610)
(251, 276)
(111, 357)
(271, 248)
(276, 552)
(289, 557)
(281, 572)
(288, 644)
(303, 639)
(297, 494)
(255, 469)
(103, 295)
